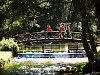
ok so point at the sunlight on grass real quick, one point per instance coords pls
(98, 48)
(5, 55)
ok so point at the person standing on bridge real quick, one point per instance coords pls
(62, 31)
(49, 29)
(59, 29)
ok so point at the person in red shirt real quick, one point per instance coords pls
(49, 29)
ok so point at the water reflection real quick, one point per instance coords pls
(51, 55)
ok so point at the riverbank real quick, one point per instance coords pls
(43, 68)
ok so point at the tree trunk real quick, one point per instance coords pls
(81, 7)
(85, 42)
(91, 38)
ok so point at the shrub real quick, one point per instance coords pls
(2, 63)
(80, 66)
(97, 56)
(9, 45)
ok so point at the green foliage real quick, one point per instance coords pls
(22, 68)
(97, 56)
(79, 67)
(2, 63)
(9, 45)
(88, 68)
(5, 58)
(26, 14)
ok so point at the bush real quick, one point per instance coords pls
(97, 56)
(80, 66)
(9, 45)
(2, 63)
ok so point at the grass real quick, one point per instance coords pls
(22, 68)
(5, 55)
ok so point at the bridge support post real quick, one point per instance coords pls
(42, 48)
(51, 47)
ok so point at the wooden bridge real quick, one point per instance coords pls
(31, 39)
(41, 37)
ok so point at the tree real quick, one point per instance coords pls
(97, 6)
(81, 7)
(2, 17)
(24, 14)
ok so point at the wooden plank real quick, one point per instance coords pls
(72, 47)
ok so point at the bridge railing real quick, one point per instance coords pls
(43, 35)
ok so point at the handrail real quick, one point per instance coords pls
(55, 36)
(47, 31)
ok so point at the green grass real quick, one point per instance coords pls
(5, 55)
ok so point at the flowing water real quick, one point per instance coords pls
(50, 57)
